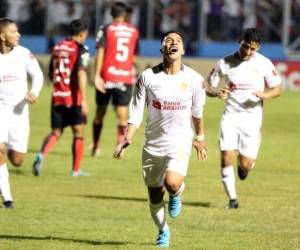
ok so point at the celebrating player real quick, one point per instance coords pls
(15, 62)
(116, 47)
(174, 95)
(67, 71)
(246, 72)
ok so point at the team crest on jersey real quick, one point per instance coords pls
(184, 86)
(255, 71)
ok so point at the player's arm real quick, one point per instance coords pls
(82, 64)
(273, 81)
(198, 142)
(213, 81)
(136, 112)
(82, 83)
(269, 94)
(99, 82)
(34, 70)
(197, 118)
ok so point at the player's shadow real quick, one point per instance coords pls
(103, 197)
(41, 238)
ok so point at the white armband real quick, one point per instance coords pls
(199, 137)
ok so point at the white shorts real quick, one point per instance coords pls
(14, 127)
(241, 132)
(154, 167)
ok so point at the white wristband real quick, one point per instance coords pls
(199, 137)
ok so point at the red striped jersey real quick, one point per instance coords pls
(120, 42)
(67, 58)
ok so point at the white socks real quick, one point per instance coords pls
(4, 183)
(228, 179)
(158, 213)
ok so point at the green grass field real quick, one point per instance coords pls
(109, 210)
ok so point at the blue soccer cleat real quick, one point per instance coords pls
(79, 173)
(174, 205)
(37, 165)
(163, 239)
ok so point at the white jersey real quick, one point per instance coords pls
(243, 78)
(14, 67)
(172, 100)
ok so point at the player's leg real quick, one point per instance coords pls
(158, 214)
(50, 141)
(245, 164)
(48, 144)
(174, 184)
(248, 149)
(78, 150)
(121, 99)
(176, 170)
(229, 137)
(15, 157)
(154, 173)
(4, 179)
(122, 116)
(58, 114)
(18, 135)
(228, 177)
(102, 101)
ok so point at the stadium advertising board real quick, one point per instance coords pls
(290, 74)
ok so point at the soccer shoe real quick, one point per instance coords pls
(37, 165)
(8, 204)
(95, 152)
(174, 205)
(79, 173)
(163, 239)
(233, 204)
(242, 173)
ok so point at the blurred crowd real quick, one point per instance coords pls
(223, 19)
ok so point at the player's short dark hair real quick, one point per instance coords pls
(77, 26)
(251, 35)
(4, 21)
(170, 32)
(129, 9)
(118, 9)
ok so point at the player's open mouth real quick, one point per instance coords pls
(173, 50)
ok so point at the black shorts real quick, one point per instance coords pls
(63, 116)
(121, 94)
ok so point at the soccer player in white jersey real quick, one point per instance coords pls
(174, 95)
(15, 62)
(250, 78)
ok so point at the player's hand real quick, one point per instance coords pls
(201, 149)
(261, 95)
(223, 93)
(124, 145)
(84, 107)
(100, 84)
(31, 98)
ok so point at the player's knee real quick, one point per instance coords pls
(17, 162)
(246, 164)
(2, 154)
(172, 186)
(16, 158)
(226, 160)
